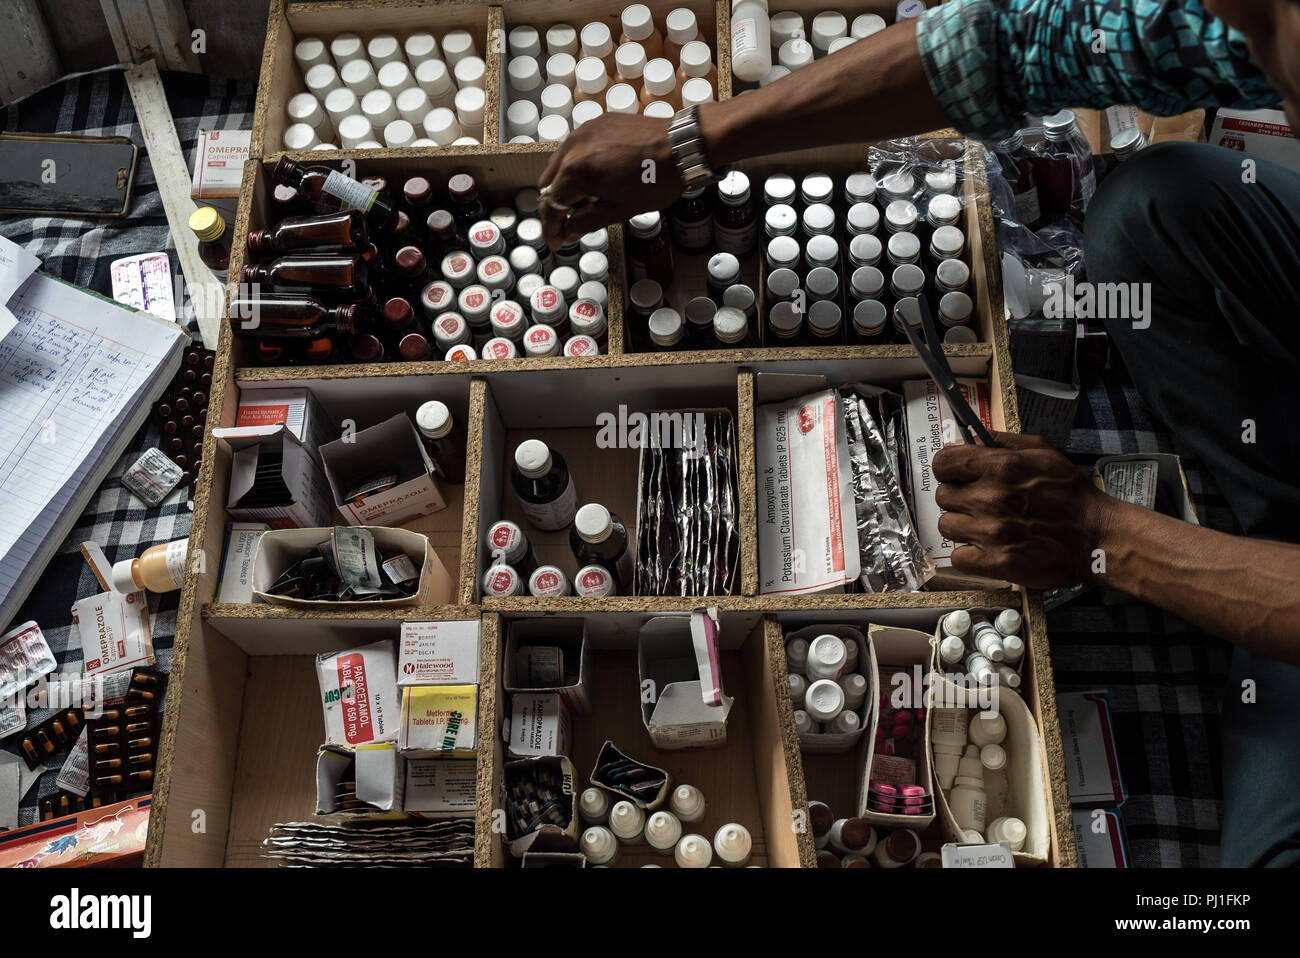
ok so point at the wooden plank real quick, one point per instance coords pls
(151, 30)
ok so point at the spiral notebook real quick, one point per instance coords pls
(78, 374)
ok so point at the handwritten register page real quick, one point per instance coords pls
(77, 376)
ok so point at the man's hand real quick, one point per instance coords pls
(608, 169)
(1027, 514)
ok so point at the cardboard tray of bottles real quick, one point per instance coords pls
(243, 719)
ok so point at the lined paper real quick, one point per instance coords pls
(74, 373)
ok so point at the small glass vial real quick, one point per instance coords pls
(587, 318)
(862, 218)
(495, 274)
(593, 267)
(444, 438)
(450, 329)
(906, 314)
(947, 242)
(825, 323)
(547, 305)
(735, 224)
(783, 252)
(781, 285)
(900, 217)
(732, 330)
(951, 276)
(903, 248)
(723, 271)
(897, 186)
(691, 220)
(498, 347)
(666, 329)
(741, 297)
(822, 283)
(780, 220)
(644, 297)
(956, 309)
(699, 322)
(868, 326)
(818, 220)
(507, 321)
(867, 282)
(859, 188)
(649, 253)
(214, 240)
(865, 250)
(816, 188)
(541, 340)
(566, 280)
(821, 251)
(779, 188)
(784, 325)
(596, 292)
(908, 280)
(578, 346)
(943, 210)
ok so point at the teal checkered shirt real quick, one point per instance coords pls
(991, 63)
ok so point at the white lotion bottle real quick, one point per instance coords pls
(663, 830)
(968, 799)
(599, 845)
(733, 844)
(627, 822)
(949, 734)
(687, 803)
(988, 728)
(751, 40)
(593, 806)
(693, 851)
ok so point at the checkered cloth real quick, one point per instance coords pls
(80, 250)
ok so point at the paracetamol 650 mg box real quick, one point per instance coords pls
(359, 695)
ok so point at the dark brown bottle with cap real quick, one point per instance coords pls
(541, 480)
(340, 232)
(287, 315)
(412, 271)
(342, 276)
(599, 537)
(443, 237)
(444, 438)
(466, 205)
(329, 191)
(417, 194)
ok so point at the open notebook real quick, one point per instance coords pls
(78, 374)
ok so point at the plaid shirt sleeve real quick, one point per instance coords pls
(993, 62)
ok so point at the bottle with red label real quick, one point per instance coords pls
(577, 346)
(545, 488)
(331, 191)
(501, 582)
(599, 537)
(594, 582)
(541, 341)
(548, 582)
(587, 318)
(507, 541)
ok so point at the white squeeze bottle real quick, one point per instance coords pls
(751, 40)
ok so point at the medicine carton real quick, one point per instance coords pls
(379, 772)
(295, 407)
(569, 636)
(440, 788)
(682, 702)
(539, 725)
(359, 695)
(439, 721)
(390, 457)
(274, 479)
(439, 653)
(236, 583)
(1087, 734)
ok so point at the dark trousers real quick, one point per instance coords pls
(1220, 365)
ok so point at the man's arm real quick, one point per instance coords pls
(1029, 515)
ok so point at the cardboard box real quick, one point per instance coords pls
(114, 630)
(1264, 134)
(570, 637)
(379, 775)
(390, 449)
(1099, 837)
(359, 695)
(678, 662)
(440, 788)
(539, 724)
(807, 537)
(280, 548)
(219, 158)
(308, 499)
(439, 721)
(296, 407)
(109, 836)
(826, 743)
(551, 839)
(237, 554)
(439, 653)
(1125, 477)
(1087, 734)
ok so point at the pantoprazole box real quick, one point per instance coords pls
(438, 653)
(539, 725)
(439, 721)
(359, 695)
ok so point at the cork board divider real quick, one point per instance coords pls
(289, 22)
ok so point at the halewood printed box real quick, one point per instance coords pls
(248, 724)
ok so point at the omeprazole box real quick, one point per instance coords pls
(359, 695)
(438, 653)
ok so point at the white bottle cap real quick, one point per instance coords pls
(733, 843)
(470, 103)
(826, 657)
(346, 47)
(855, 687)
(798, 689)
(440, 125)
(533, 458)
(1009, 830)
(957, 623)
(659, 110)
(560, 68)
(626, 821)
(413, 105)
(305, 108)
(839, 43)
(591, 581)
(340, 103)
(1013, 646)
(524, 41)
(524, 74)
(321, 79)
(687, 803)
(970, 770)
(499, 347)
(663, 830)
(547, 581)
(989, 642)
(827, 27)
(310, 51)
(399, 133)
(420, 47)
(596, 39)
(621, 98)
(802, 723)
(521, 118)
(594, 262)
(523, 138)
(970, 836)
(355, 130)
(456, 45)
(951, 650)
(795, 53)
(433, 418)
(988, 728)
(434, 78)
(1008, 622)
(300, 136)
(122, 579)
(585, 111)
(378, 108)
(470, 72)
(693, 851)
(358, 76)
(637, 22)
(696, 58)
(659, 77)
(593, 523)
(593, 806)
(630, 60)
(696, 91)
(866, 24)
(590, 75)
(824, 700)
(774, 74)
(784, 25)
(595, 291)
(681, 26)
(561, 38)
(500, 581)
(846, 722)
(394, 77)
(993, 757)
(557, 100)
(599, 844)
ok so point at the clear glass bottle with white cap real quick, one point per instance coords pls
(733, 844)
(599, 537)
(663, 830)
(444, 438)
(545, 488)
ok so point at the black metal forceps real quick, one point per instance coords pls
(931, 353)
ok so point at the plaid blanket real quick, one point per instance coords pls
(80, 251)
